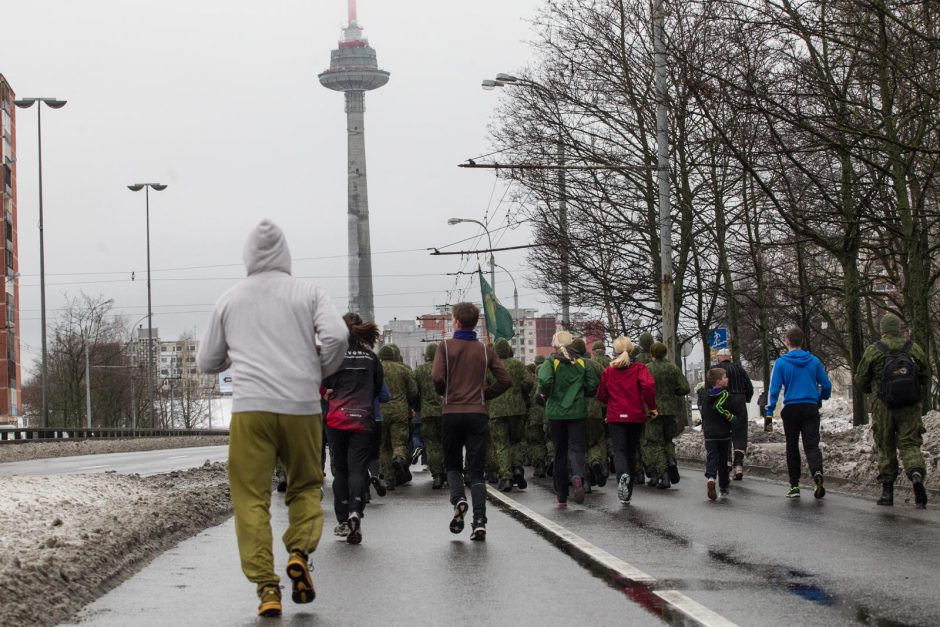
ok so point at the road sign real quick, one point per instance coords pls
(718, 338)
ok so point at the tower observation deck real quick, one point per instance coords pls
(354, 71)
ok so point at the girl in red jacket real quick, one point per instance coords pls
(629, 391)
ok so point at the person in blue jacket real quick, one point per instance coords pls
(805, 385)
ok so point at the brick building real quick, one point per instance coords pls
(11, 401)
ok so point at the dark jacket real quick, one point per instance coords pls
(459, 375)
(356, 386)
(738, 380)
(717, 419)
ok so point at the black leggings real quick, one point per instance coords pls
(626, 437)
(570, 439)
(802, 421)
(349, 455)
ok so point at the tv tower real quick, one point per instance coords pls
(354, 71)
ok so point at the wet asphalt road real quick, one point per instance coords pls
(141, 462)
(758, 558)
(409, 570)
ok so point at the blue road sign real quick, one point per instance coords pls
(718, 338)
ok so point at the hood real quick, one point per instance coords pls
(266, 249)
(386, 353)
(798, 358)
(429, 352)
(503, 348)
(890, 325)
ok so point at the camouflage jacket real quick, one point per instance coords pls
(430, 399)
(596, 409)
(515, 400)
(671, 387)
(643, 357)
(404, 391)
(871, 368)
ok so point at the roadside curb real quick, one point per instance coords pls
(672, 605)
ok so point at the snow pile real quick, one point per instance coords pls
(835, 415)
(64, 540)
(848, 452)
(22, 451)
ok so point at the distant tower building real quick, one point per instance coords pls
(354, 71)
(11, 401)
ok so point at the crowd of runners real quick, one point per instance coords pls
(473, 413)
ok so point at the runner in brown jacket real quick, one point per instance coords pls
(459, 374)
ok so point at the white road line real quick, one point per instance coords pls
(93, 467)
(695, 612)
(177, 456)
(692, 609)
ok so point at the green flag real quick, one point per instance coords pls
(498, 319)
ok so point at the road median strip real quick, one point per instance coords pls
(612, 567)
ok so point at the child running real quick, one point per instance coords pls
(459, 375)
(350, 424)
(629, 391)
(717, 425)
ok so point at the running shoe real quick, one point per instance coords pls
(738, 472)
(478, 532)
(624, 489)
(460, 510)
(578, 496)
(416, 455)
(710, 486)
(298, 571)
(379, 486)
(561, 504)
(270, 602)
(820, 490)
(793, 492)
(355, 529)
(723, 493)
(341, 530)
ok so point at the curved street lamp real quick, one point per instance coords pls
(54, 103)
(453, 221)
(157, 187)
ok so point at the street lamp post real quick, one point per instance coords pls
(25, 103)
(157, 187)
(502, 80)
(453, 221)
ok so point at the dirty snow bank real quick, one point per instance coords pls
(22, 451)
(65, 540)
(848, 452)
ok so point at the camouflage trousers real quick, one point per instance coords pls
(431, 434)
(597, 450)
(507, 435)
(535, 453)
(395, 444)
(657, 449)
(898, 432)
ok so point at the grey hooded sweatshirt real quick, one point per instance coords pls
(264, 330)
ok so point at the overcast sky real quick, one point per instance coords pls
(220, 101)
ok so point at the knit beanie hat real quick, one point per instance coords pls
(890, 324)
(646, 341)
(430, 351)
(539, 360)
(503, 349)
(578, 345)
(598, 346)
(386, 353)
(659, 350)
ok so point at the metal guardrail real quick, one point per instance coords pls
(52, 434)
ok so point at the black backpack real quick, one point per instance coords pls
(899, 386)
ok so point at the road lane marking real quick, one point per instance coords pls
(692, 609)
(93, 467)
(177, 456)
(613, 566)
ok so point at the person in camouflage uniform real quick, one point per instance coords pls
(646, 344)
(595, 434)
(431, 417)
(508, 413)
(396, 415)
(672, 387)
(535, 429)
(896, 430)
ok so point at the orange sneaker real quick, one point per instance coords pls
(299, 573)
(270, 602)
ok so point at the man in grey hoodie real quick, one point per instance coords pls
(264, 329)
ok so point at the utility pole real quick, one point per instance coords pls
(662, 158)
(87, 385)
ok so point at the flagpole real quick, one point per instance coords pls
(486, 330)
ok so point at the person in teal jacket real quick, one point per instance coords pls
(566, 380)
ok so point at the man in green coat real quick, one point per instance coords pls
(508, 413)
(646, 343)
(396, 415)
(672, 387)
(431, 417)
(897, 427)
(536, 453)
(594, 426)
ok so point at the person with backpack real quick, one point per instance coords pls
(629, 391)
(895, 370)
(566, 380)
(805, 385)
